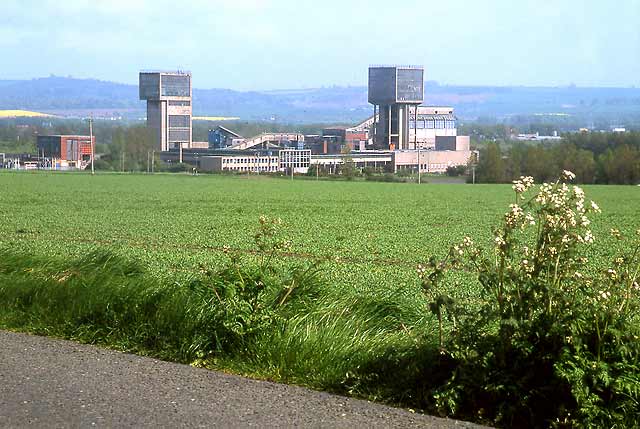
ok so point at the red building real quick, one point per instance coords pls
(76, 150)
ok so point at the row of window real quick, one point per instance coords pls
(177, 135)
(244, 168)
(439, 124)
(179, 121)
(248, 160)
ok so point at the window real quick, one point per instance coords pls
(178, 135)
(176, 85)
(179, 121)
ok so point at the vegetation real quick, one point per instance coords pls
(612, 158)
(328, 297)
(555, 340)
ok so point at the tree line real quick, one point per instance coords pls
(605, 158)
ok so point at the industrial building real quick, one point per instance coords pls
(169, 110)
(400, 135)
(65, 151)
(394, 92)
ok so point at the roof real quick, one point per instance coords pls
(395, 66)
(227, 130)
(178, 72)
(66, 136)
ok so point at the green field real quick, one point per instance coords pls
(142, 263)
(378, 232)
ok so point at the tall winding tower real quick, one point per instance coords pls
(168, 96)
(393, 91)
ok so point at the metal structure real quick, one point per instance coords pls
(394, 91)
(169, 110)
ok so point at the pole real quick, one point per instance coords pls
(415, 127)
(389, 123)
(153, 160)
(415, 141)
(122, 165)
(419, 165)
(92, 145)
(375, 125)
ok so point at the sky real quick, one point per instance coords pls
(289, 44)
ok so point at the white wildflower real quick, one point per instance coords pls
(523, 184)
(568, 175)
(605, 294)
(588, 237)
(578, 192)
(584, 221)
(530, 219)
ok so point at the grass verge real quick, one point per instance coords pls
(286, 325)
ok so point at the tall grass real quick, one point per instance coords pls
(282, 324)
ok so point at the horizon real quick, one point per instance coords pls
(250, 45)
(330, 86)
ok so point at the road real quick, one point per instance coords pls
(46, 382)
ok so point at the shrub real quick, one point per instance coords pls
(456, 170)
(552, 343)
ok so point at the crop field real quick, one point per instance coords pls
(168, 265)
(23, 114)
(372, 234)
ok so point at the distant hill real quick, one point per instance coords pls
(75, 97)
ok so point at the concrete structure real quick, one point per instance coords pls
(169, 110)
(537, 137)
(298, 160)
(255, 162)
(351, 137)
(273, 140)
(65, 151)
(402, 135)
(394, 91)
(222, 138)
(360, 159)
(432, 123)
(431, 161)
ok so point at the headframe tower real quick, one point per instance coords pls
(168, 96)
(393, 91)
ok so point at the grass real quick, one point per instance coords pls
(141, 263)
(319, 337)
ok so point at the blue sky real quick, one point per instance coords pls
(273, 44)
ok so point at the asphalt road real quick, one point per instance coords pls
(47, 382)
